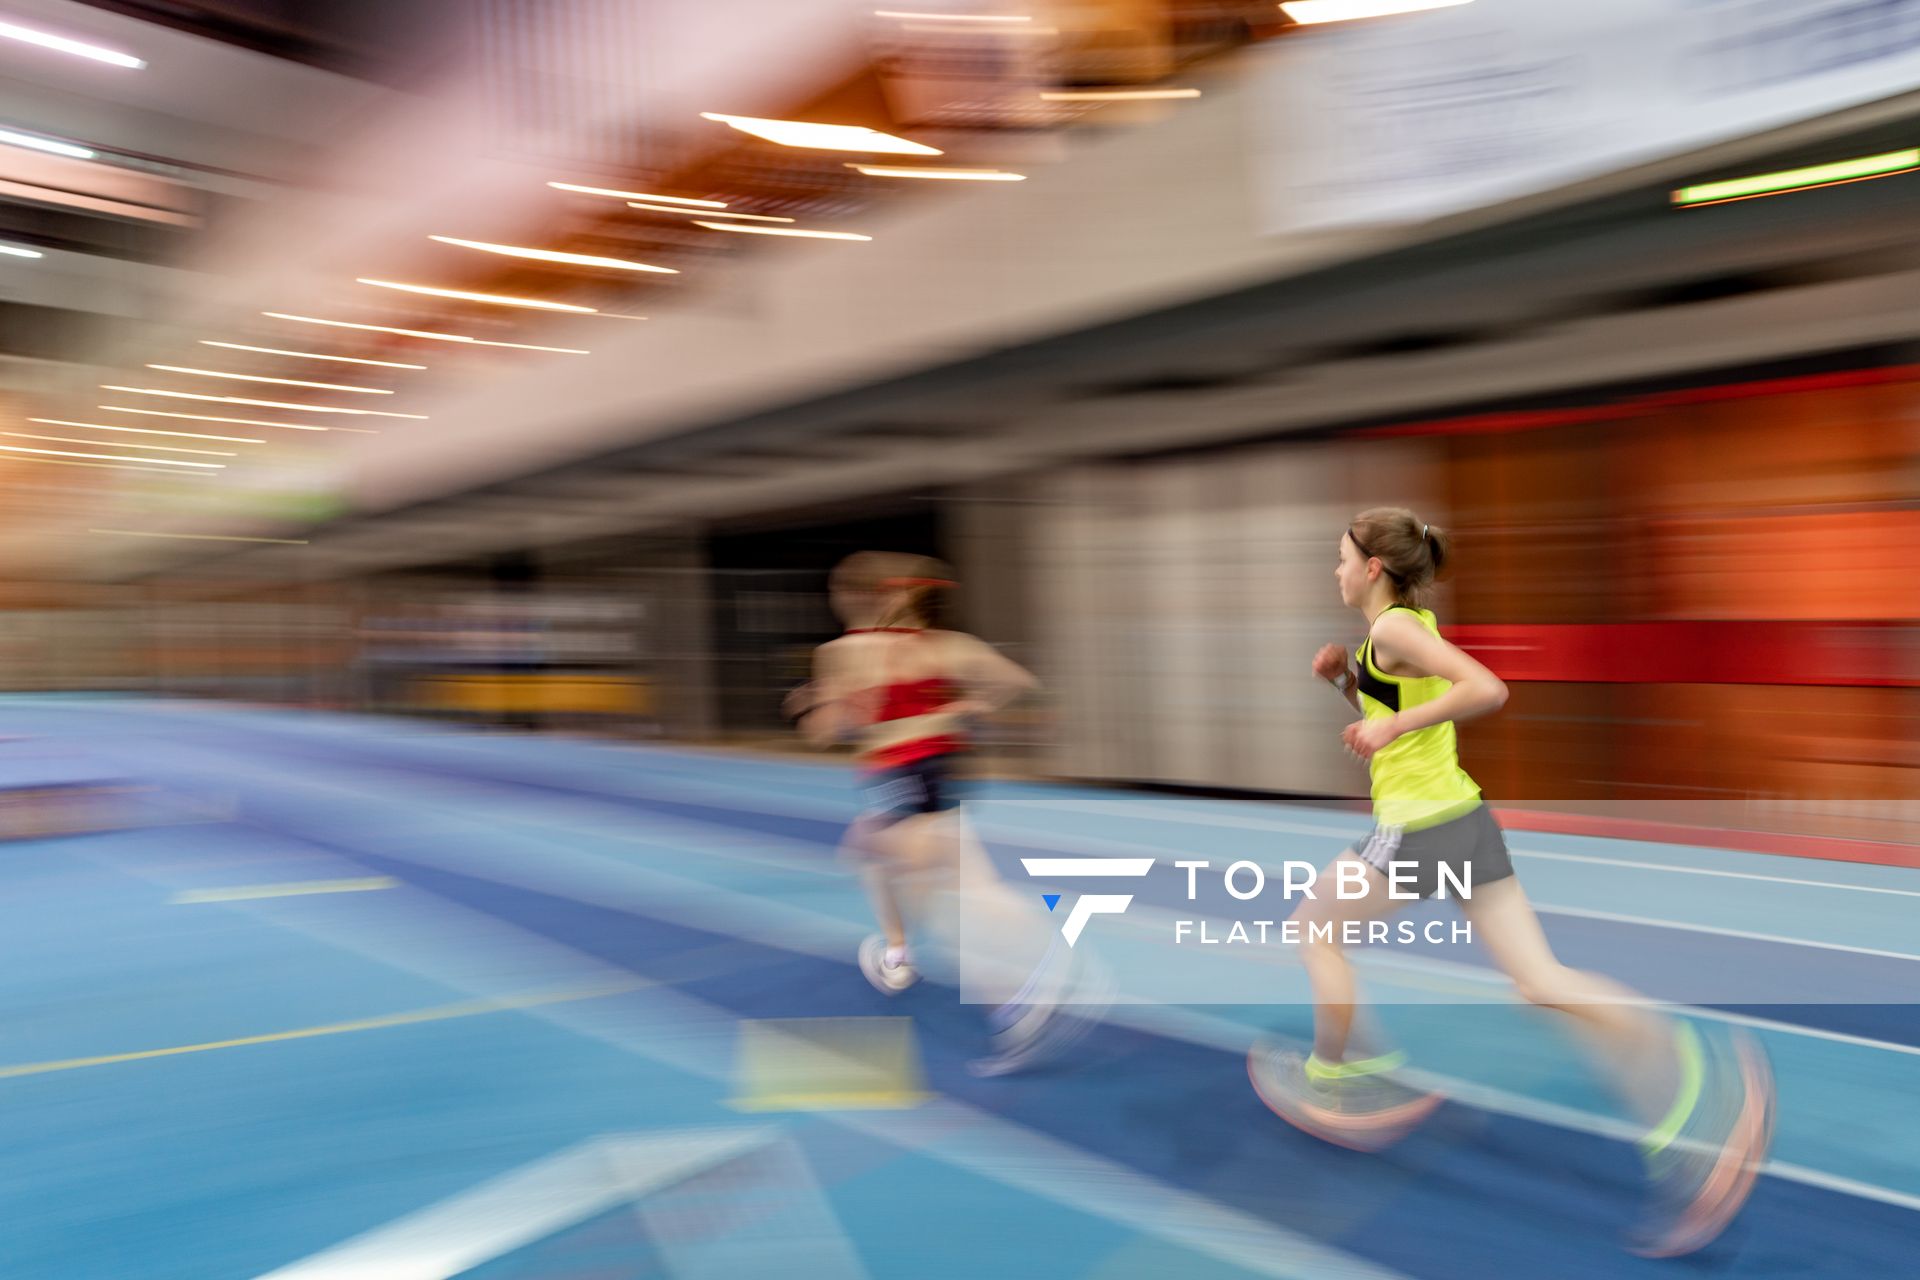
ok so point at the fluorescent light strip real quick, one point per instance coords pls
(153, 431)
(950, 175)
(60, 44)
(109, 444)
(17, 251)
(202, 417)
(111, 466)
(109, 457)
(1821, 175)
(1311, 12)
(308, 355)
(495, 299)
(423, 333)
(199, 537)
(49, 145)
(782, 231)
(950, 17)
(823, 137)
(1117, 95)
(285, 382)
(696, 213)
(552, 255)
(263, 404)
(638, 195)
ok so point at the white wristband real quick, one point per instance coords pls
(1342, 681)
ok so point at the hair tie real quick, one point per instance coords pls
(1423, 532)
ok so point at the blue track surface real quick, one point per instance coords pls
(635, 906)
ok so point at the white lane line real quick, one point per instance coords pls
(1421, 971)
(1093, 848)
(1436, 967)
(1486, 1098)
(1196, 818)
(693, 1035)
(1816, 1033)
(807, 932)
(750, 848)
(1459, 979)
(1000, 832)
(1309, 829)
(1213, 1032)
(1543, 908)
(1709, 871)
(1614, 917)
(723, 791)
(517, 1208)
(1250, 823)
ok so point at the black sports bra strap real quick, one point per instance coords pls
(1365, 652)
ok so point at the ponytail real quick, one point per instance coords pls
(1412, 552)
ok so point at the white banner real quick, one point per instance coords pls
(1409, 118)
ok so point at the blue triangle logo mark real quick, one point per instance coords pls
(1051, 899)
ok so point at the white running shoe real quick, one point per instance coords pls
(1029, 1033)
(888, 979)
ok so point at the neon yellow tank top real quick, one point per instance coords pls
(1417, 778)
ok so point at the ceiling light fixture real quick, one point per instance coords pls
(1836, 174)
(152, 431)
(823, 137)
(285, 382)
(637, 195)
(205, 417)
(264, 404)
(423, 333)
(1117, 95)
(950, 175)
(782, 231)
(111, 457)
(115, 466)
(308, 355)
(698, 213)
(1310, 12)
(61, 44)
(462, 295)
(49, 145)
(129, 444)
(554, 255)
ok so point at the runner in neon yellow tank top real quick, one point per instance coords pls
(1417, 778)
(1707, 1105)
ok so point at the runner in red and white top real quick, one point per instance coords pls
(906, 693)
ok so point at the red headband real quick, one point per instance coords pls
(897, 583)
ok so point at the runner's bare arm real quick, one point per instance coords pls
(830, 717)
(1400, 640)
(992, 680)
